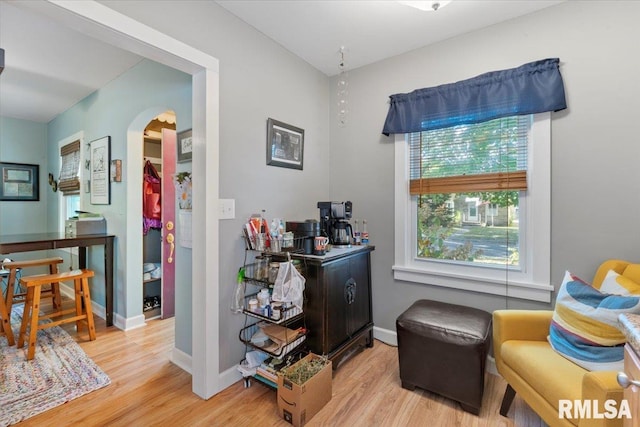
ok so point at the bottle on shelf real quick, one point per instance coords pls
(356, 234)
(263, 298)
(365, 233)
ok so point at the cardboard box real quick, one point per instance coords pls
(297, 404)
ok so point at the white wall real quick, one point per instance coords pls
(595, 149)
(258, 79)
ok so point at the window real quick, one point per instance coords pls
(465, 203)
(69, 179)
(71, 155)
(72, 205)
(469, 179)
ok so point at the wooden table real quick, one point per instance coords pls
(44, 241)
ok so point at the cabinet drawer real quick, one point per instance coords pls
(632, 393)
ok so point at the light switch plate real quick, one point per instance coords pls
(227, 208)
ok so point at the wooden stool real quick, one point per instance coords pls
(15, 266)
(6, 303)
(31, 315)
(5, 322)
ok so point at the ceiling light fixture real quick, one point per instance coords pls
(426, 5)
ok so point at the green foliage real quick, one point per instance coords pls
(433, 210)
(499, 198)
(435, 225)
(494, 146)
(471, 149)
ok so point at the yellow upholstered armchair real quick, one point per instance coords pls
(541, 376)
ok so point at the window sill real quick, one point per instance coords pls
(527, 291)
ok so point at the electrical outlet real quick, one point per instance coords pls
(227, 208)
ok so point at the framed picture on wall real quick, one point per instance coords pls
(285, 145)
(20, 182)
(185, 146)
(100, 171)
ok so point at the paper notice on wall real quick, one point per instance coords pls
(184, 228)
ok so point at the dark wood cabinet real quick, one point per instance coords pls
(338, 302)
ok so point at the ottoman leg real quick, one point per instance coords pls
(470, 409)
(408, 386)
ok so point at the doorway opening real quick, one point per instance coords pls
(201, 354)
(158, 281)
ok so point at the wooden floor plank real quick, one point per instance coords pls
(148, 390)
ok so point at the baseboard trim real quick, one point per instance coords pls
(97, 309)
(181, 360)
(491, 366)
(232, 375)
(229, 377)
(129, 323)
(120, 322)
(391, 338)
(386, 336)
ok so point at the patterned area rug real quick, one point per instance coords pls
(60, 371)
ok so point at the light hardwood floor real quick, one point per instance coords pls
(147, 390)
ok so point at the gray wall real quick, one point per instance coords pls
(595, 182)
(595, 150)
(258, 79)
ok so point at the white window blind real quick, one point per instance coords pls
(489, 156)
(69, 180)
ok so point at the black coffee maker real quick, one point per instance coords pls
(334, 222)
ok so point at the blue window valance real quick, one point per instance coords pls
(531, 88)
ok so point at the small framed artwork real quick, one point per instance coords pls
(285, 145)
(185, 146)
(20, 182)
(100, 171)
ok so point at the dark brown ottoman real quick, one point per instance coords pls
(442, 348)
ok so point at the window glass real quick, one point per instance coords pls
(73, 205)
(468, 228)
(475, 221)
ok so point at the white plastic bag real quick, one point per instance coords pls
(289, 285)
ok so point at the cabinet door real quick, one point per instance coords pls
(357, 294)
(632, 393)
(337, 275)
(348, 298)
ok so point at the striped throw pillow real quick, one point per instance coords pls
(585, 326)
(615, 283)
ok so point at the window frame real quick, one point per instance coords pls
(531, 280)
(63, 214)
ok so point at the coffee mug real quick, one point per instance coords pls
(320, 243)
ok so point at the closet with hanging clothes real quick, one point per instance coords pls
(152, 224)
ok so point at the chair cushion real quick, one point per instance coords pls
(632, 272)
(585, 326)
(544, 370)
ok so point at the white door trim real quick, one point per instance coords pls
(112, 27)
